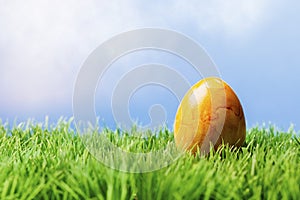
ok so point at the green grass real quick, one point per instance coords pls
(41, 162)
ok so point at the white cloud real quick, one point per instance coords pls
(231, 17)
(44, 42)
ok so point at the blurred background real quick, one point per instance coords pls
(43, 44)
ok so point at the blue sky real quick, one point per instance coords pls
(255, 45)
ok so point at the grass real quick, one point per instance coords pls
(42, 162)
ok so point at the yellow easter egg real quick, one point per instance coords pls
(209, 114)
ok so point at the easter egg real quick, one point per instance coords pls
(209, 115)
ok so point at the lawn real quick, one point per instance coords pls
(40, 161)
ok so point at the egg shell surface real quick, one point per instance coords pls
(210, 113)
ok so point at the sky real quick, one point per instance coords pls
(254, 44)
